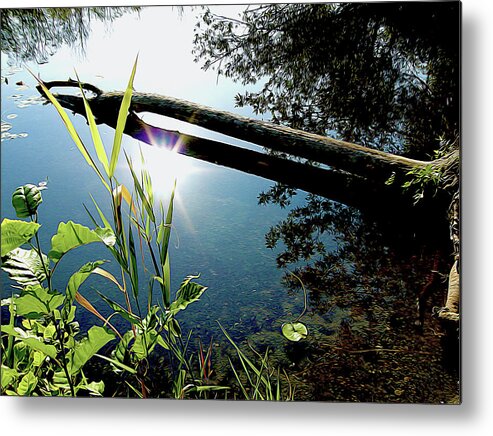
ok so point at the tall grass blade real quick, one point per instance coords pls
(96, 137)
(109, 276)
(10, 342)
(122, 119)
(163, 237)
(140, 192)
(90, 308)
(134, 275)
(71, 130)
(116, 363)
(139, 394)
(125, 194)
(101, 214)
(130, 317)
(242, 387)
(167, 283)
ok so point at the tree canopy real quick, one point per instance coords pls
(382, 74)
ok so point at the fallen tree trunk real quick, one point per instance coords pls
(353, 158)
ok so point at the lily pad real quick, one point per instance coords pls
(6, 127)
(294, 331)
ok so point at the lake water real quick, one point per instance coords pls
(219, 227)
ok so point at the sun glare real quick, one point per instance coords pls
(165, 166)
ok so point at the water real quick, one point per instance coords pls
(219, 227)
(361, 282)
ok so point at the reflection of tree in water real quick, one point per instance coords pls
(384, 75)
(364, 280)
(36, 34)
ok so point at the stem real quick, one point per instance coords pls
(40, 254)
(64, 360)
(127, 300)
(57, 326)
(304, 294)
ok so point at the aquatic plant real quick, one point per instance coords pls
(257, 379)
(139, 227)
(41, 353)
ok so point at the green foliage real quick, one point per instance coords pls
(256, 378)
(187, 293)
(120, 125)
(25, 267)
(34, 342)
(96, 338)
(422, 179)
(158, 326)
(294, 331)
(71, 235)
(42, 356)
(36, 302)
(16, 233)
(26, 200)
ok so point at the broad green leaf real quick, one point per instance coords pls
(25, 266)
(121, 352)
(122, 119)
(36, 301)
(173, 326)
(188, 293)
(21, 353)
(49, 332)
(77, 279)
(95, 388)
(130, 317)
(71, 130)
(294, 331)
(38, 358)
(161, 342)
(96, 137)
(27, 384)
(71, 235)
(106, 235)
(8, 376)
(33, 342)
(97, 337)
(144, 344)
(15, 233)
(26, 200)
